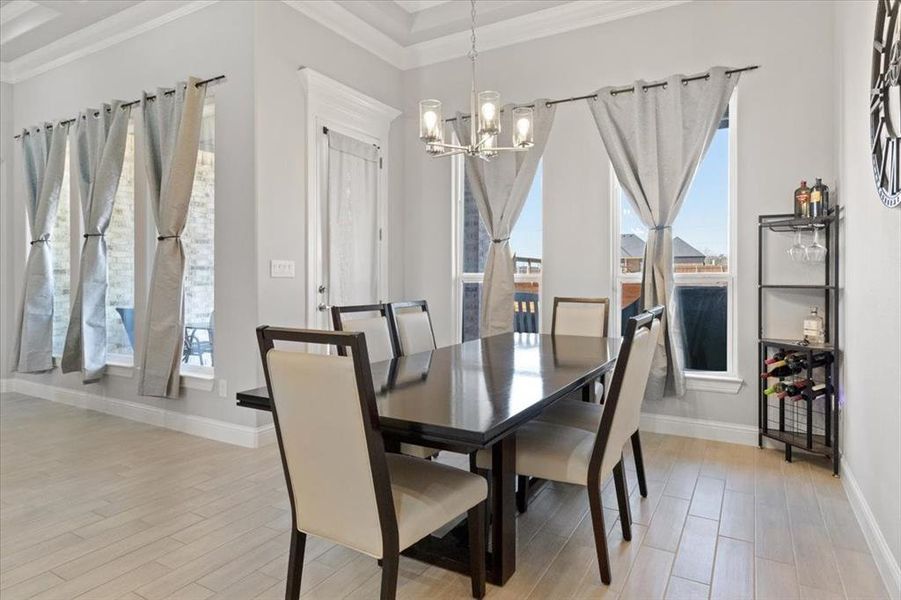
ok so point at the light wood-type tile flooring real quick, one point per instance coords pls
(94, 506)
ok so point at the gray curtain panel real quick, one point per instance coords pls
(171, 136)
(44, 158)
(500, 187)
(100, 138)
(656, 138)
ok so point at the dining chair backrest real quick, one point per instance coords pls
(375, 325)
(580, 316)
(412, 326)
(326, 423)
(622, 410)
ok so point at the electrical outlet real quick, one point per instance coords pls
(281, 268)
(223, 388)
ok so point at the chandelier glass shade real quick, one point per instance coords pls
(484, 120)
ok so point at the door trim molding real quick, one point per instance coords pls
(329, 103)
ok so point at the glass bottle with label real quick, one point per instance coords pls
(819, 199)
(802, 201)
(814, 329)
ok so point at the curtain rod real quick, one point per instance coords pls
(624, 90)
(134, 102)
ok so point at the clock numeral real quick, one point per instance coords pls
(877, 133)
(893, 168)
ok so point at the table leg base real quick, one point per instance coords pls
(450, 552)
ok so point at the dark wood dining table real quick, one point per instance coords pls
(476, 395)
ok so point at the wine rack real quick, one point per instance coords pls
(809, 422)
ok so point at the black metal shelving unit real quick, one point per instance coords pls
(802, 424)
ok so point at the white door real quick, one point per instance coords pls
(350, 233)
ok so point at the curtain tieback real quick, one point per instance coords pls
(499, 240)
(45, 240)
(88, 235)
(660, 228)
(160, 238)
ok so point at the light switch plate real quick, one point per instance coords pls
(223, 388)
(281, 268)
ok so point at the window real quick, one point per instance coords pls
(473, 240)
(60, 246)
(198, 240)
(120, 244)
(701, 256)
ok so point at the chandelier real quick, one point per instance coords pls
(484, 120)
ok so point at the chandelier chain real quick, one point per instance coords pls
(472, 13)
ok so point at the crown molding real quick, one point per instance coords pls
(113, 30)
(539, 24)
(151, 14)
(356, 108)
(348, 25)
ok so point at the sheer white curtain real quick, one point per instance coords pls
(43, 156)
(500, 187)
(352, 232)
(656, 138)
(100, 137)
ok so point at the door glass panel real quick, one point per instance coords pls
(351, 240)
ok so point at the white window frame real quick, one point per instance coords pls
(461, 278)
(727, 381)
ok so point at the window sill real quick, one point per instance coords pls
(120, 368)
(194, 377)
(708, 382)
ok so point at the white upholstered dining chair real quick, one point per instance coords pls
(412, 326)
(580, 316)
(584, 415)
(342, 485)
(381, 341)
(572, 455)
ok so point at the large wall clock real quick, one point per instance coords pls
(885, 102)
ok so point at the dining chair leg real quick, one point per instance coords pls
(622, 498)
(390, 565)
(295, 565)
(639, 464)
(600, 535)
(476, 521)
(522, 493)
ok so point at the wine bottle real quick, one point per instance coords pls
(773, 389)
(783, 368)
(815, 391)
(802, 201)
(779, 355)
(794, 389)
(819, 199)
(799, 362)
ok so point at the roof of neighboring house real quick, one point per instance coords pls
(632, 246)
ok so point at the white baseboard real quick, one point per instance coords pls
(699, 428)
(214, 429)
(882, 554)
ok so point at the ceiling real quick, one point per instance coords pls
(27, 25)
(38, 35)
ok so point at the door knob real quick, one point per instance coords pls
(322, 289)
(323, 307)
